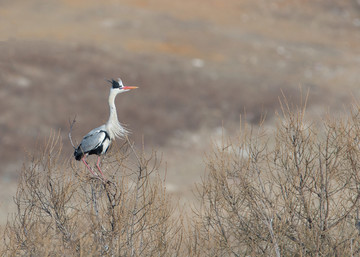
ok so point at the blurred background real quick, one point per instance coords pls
(199, 66)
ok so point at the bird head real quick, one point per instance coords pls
(119, 87)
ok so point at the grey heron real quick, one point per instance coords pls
(98, 140)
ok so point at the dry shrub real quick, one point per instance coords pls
(294, 193)
(61, 211)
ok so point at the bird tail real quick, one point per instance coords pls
(78, 154)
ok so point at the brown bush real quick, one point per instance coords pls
(292, 194)
(61, 211)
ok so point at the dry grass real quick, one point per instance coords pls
(294, 192)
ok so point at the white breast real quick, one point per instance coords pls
(106, 145)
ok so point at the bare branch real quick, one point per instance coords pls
(71, 123)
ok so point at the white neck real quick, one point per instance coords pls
(113, 125)
(113, 114)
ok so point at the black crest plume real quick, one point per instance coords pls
(114, 83)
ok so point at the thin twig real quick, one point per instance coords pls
(134, 151)
(71, 127)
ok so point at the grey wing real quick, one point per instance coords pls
(92, 140)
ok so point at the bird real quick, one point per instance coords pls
(98, 140)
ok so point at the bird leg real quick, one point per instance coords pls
(98, 166)
(87, 165)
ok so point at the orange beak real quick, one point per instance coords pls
(125, 87)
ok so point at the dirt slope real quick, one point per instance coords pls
(199, 64)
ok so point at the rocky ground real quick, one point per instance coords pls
(199, 65)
